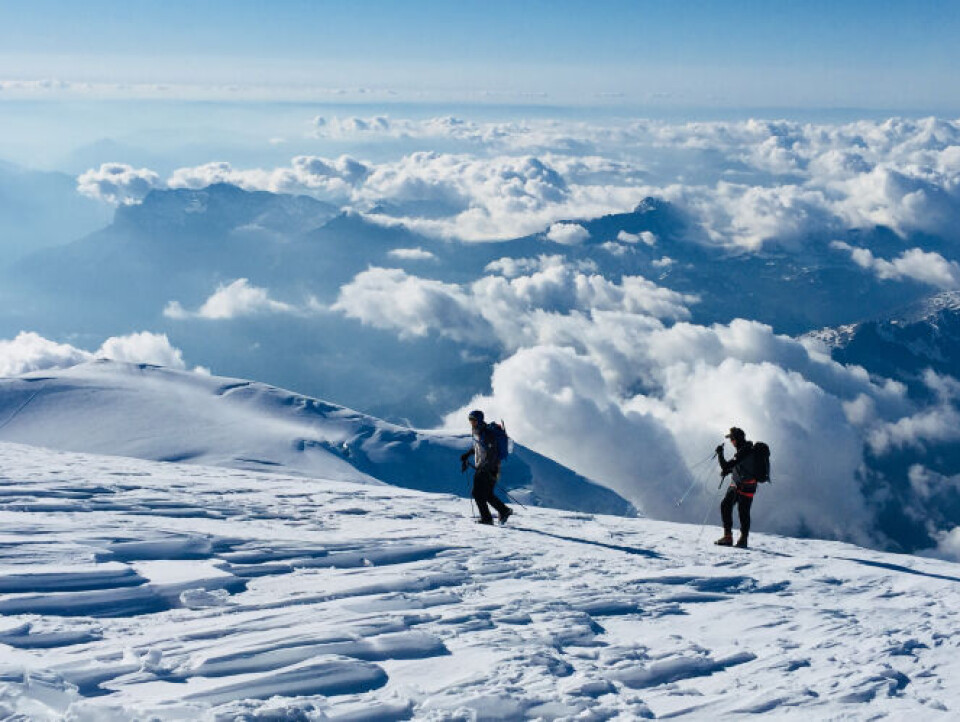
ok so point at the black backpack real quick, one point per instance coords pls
(761, 461)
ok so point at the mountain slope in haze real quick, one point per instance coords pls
(133, 590)
(180, 243)
(903, 343)
(40, 209)
(176, 244)
(160, 414)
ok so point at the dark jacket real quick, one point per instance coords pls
(742, 467)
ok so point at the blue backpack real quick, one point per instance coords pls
(501, 440)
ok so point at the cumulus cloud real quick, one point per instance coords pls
(491, 199)
(751, 216)
(353, 127)
(234, 300)
(569, 234)
(937, 424)
(411, 254)
(948, 545)
(32, 352)
(513, 267)
(582, 407)
(391, 299)
(143, 347)
(915, 263)
(799, 179)
(470, 198)
(608, 379)
(118, 183)
(616, 249)
(557, 402)
(593, 377)
(350, 126)
(327, 179)
(645, 237)
(928, 484)
(508, 310)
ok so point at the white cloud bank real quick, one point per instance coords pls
(118, 183)
(745, 184)
(234, 300)
(568, 234)
(411, 254)
(501, 310)
(29, 351)
(636, 403)
(915, 263)
(610, 379)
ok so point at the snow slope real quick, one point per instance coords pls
(133, 589)
(160, 414)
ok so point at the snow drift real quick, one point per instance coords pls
(137, 590)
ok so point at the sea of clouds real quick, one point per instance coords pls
(745, 183)
(607, 374)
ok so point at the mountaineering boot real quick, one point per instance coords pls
(508, 512)
(488, 522)
(725, 541)
(742, 541)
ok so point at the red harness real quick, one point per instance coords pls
(750, 484)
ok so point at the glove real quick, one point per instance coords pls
(718, 450)
(463, 464)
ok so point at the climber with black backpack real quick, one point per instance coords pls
(749, 466)
(490, 449)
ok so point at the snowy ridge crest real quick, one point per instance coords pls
(161, 414)
(927, 309)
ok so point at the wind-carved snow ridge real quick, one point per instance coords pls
(162, 414)
(133, 589)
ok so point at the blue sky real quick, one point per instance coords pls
(879, 54)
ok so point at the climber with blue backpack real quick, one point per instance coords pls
(490, 449)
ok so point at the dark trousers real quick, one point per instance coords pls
(483, 482)
(743, 503)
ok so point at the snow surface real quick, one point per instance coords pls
(161, 414)
(132, 589)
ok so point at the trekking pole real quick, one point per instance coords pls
(473, 513)
(697, 478)
(510, 497)
(707, 513)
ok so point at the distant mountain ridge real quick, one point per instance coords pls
(223, 207)
(902, 343)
